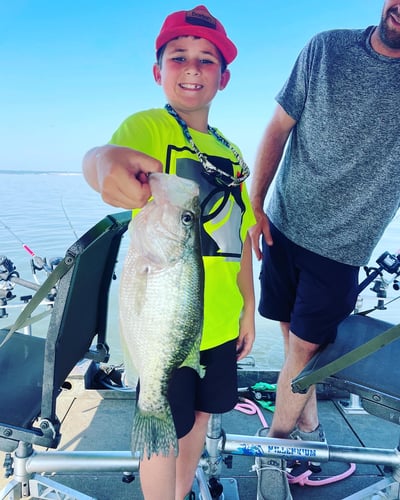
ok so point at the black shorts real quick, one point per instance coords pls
(216, 392)
(312, 293)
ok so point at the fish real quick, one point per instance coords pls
(161, 301)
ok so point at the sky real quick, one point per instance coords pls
(72, 70)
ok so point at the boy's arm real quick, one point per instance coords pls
(246, 286)
(120, 174)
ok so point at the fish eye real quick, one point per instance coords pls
(187, 218)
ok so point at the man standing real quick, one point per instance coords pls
(335, 135)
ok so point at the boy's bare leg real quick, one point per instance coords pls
(191, 448)
(171, 478)
(157, 477)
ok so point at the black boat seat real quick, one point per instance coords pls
(375, 378)
(21, 361)
(34, 369)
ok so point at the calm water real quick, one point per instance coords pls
(47, 211)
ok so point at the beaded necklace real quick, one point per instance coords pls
(222, 176)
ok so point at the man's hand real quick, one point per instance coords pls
(261, 228)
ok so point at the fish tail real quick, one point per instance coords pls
(153, 434)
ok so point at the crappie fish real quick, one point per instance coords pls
(161, 304)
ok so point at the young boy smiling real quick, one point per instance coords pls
(192, 51)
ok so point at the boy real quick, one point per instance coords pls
(193, 52)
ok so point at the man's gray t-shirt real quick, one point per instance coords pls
(338, 186)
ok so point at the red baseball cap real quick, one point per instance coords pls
(197, 22)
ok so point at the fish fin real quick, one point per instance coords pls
(193, 359)
(131, 372)
(153, 434)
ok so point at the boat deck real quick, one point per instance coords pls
(101, 420)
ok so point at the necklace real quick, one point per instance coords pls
(222, 176)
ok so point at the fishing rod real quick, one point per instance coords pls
(38, 263)
(68, 219)
(24, 245)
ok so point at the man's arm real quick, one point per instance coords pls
(267, 162)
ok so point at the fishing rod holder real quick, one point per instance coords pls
(3, 310)
(6, 295)
(6, 265)
(387, 263)
(10, 277)
(390, 263)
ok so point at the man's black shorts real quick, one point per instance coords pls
(312, 293)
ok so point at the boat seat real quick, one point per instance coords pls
(375, 377)
(33, 369)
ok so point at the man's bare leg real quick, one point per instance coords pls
(307, 418)
(285, 328)
(290, 408)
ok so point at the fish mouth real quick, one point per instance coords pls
(190, 86)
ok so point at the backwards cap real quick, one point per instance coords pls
(197, 22)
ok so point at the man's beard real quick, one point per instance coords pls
(389, 37)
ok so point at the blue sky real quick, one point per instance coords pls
(72, 70)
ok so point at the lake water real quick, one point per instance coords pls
(46, 211)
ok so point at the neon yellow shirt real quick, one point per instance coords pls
(226, 213)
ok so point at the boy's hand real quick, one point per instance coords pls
(120, 175)
(246, 337)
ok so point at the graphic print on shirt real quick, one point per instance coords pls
(222, 207)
